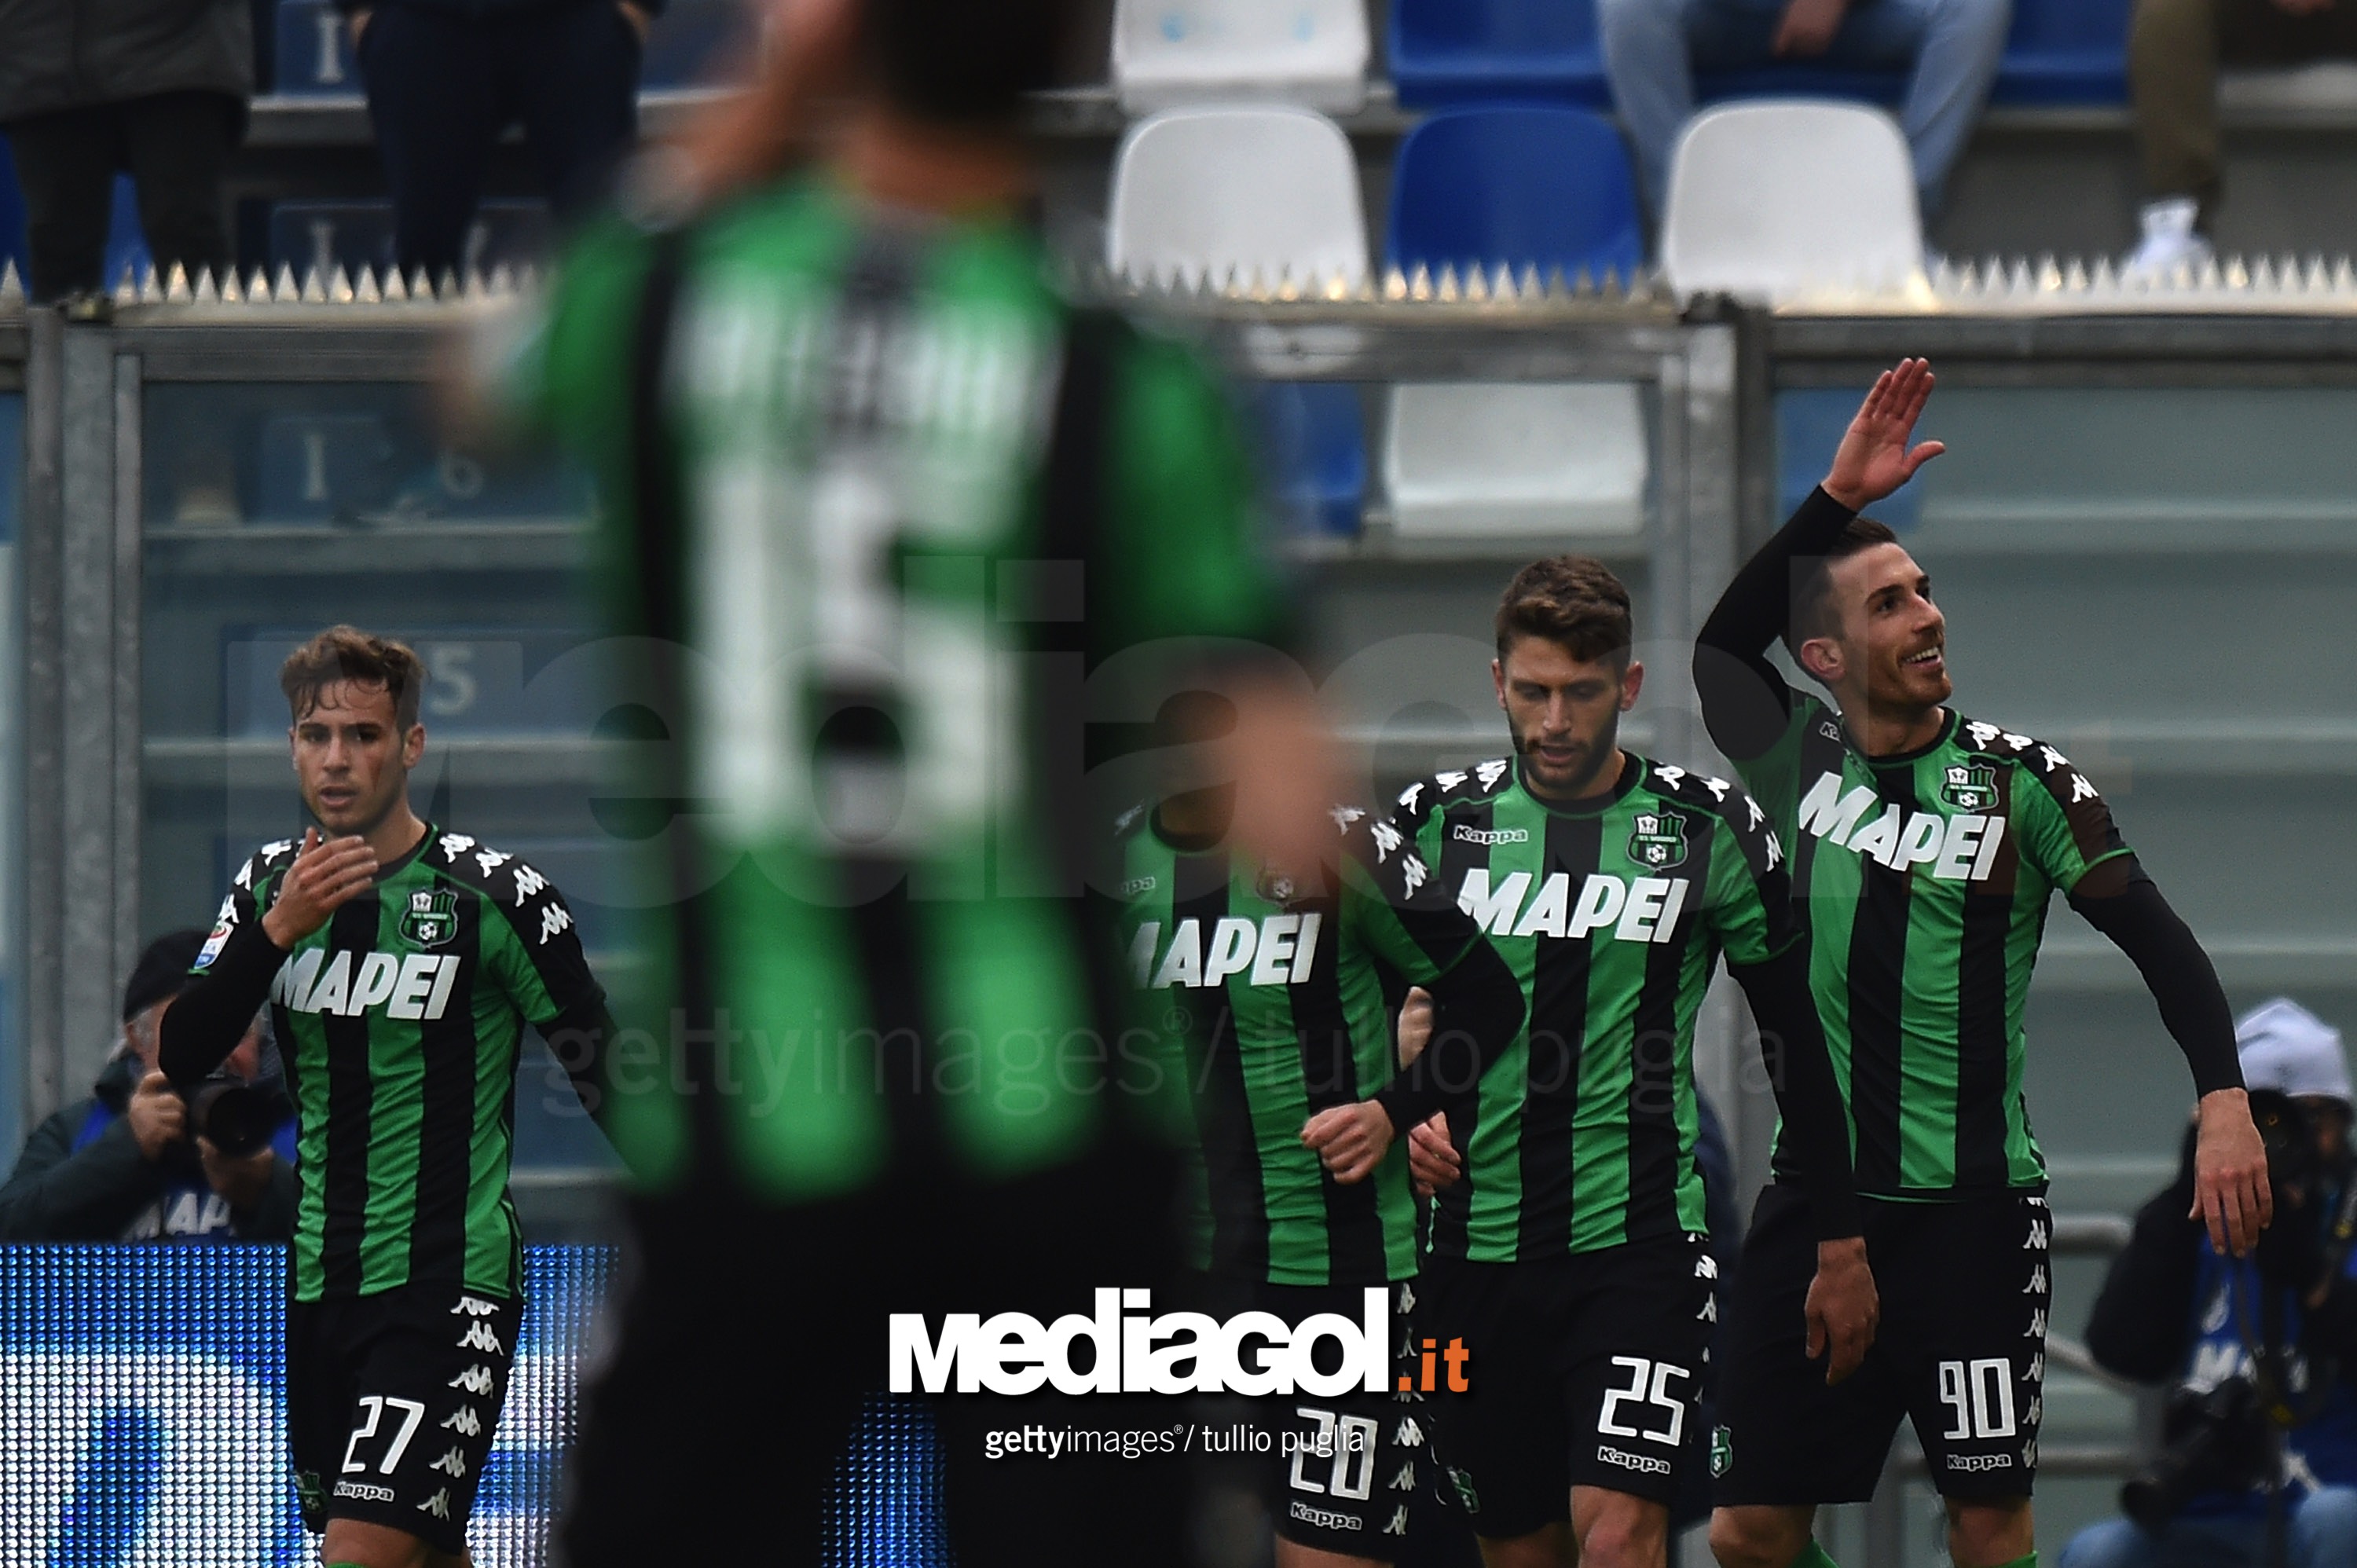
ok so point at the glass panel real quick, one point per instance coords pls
(275, 510)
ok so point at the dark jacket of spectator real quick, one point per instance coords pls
(83, 1178)
(72, 54)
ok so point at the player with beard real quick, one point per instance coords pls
(1568, 1246)
(1925, 847)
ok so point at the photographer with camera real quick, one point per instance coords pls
(137, 1162)
(2258, 1461)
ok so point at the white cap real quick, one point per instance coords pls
(2288, 1048)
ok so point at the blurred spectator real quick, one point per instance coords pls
(126, 1164)
(155, 86)
(2175, 48)
(1653, 48)
(2172, 1308)
(444, 78)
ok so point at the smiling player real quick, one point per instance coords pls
(1925, 847)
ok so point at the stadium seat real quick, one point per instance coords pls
(356, 234)
(126, 242)
(2065, 51)
(1312, 52)
(314, 53)
(1267, 190)
(1523, 186)
(13, 246)
(1519, 186)
(1771, 200)
(1314, 444)
(1493, 460)
(1462, 51)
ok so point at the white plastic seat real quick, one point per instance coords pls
(1312, 52)
(1514, 460)
(1779, 199)
(1267, 190)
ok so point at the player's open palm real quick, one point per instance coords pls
(1874, 458)
(325, 875)
(1844, 1308)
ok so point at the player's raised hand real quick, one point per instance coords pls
(1432, 1161)
(1350, 1139)
(2231, 1194)
(1844, 1308)
(326, 875)
(1874, 458)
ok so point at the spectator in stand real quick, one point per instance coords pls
(2175, 48)
(1950, 48)
(126, 1164)
(444, 78)
(155, 87)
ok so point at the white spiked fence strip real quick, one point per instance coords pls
(2313, 284)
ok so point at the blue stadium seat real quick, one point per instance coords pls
(1315, 444)
(1525, 186)
(126, 242)
(356, 234)
(2065, 51)
(314, 53)
(1467, 51)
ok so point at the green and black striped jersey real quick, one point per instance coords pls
(398, 1022)
(1612, 917)
(1271, 999)
(1923, 882)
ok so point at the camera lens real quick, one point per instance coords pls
(237, 1118)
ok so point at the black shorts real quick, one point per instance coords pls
(392, 1401)
(1341, 1474)
(1587, 1370)
(1965, 1289)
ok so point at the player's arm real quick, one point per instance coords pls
(1392, 904)
(1748, 905)
(537, 957)
(205, 1023)
(1744, 701)
(2230, 1191)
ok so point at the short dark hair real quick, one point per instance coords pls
(1812, 592)
(348, 653)
(964, 62)
(1571, 600)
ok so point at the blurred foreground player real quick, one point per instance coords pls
(1926, 847)
(401, 961)
(881, 499)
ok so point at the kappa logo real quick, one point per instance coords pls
(478, 1337)
(1658, 840)
(1969, 786)
(553, 918)
(2036, 1372)
(2049, 759)
(1276, 949)
(2036, 1285)
(1345, 815)
(475, 1380)
(1411, 795)
(1705, 1267)
(474, 1306)
(1405, 1480)
(1709, 1313)
(1409, 1435)
(1466, 832)
(2037, 1329)
(432, 917)
(1961, 848)
(366, 1491)
(2037, 1241)
(464, 1421)
(1643, 1464)
(1398, 1525)
(438, 1505)
(1974, 1464)
(453, 1464)
(1326, 1519)
(1490, 772)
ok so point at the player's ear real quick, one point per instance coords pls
(1821, 657)
(1498, 680)
(413, 746)
(1632, 680)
